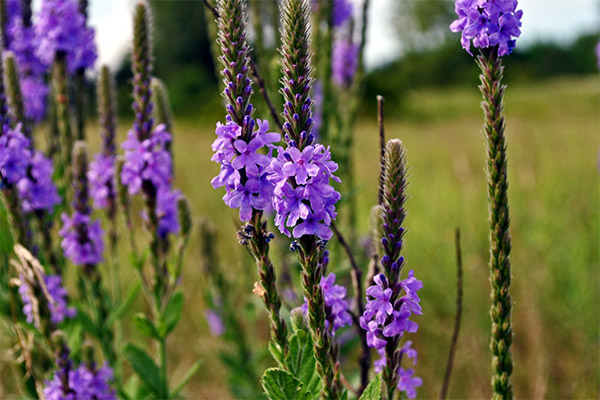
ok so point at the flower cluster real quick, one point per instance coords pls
(101, 175)
(488, 23)
(57, 300)
(84, 249)
(148, 160)
(30, 172)
(336, 306)
(302, 190)
(23, 42)
(62, 29)
(244, 169)
(81, 384)
(382, 319)
(344, 62)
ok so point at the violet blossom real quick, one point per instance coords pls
(344, 62)
(82, 251)
(15, 154)
(37, 191)
(57, 300)
(101, 175)
(215, 322)
(336, 305)
(82, 384)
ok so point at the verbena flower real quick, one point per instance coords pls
(81, 384)
(57, 301)
(167, 211)
(81, 249)
(37, 191)
(62, 29)
(101, 175)
(215, 323)
(15, 154)
(408, 383)
(344, 62)
(336, 305)
(342, 10)
(488, 23)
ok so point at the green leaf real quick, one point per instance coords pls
(373, 389)
(281, 385)
(144, 366)
(186, 378)
(145, 326)
(172, 314)
(276, 353)
(301, 362)
(86, 323)
(132, 295)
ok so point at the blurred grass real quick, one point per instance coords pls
(553, 142)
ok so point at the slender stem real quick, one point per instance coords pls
(457, 318)
(380, 122)
(163, 368)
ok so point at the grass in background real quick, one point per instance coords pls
(553, 144)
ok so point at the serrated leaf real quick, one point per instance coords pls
(281, 385)
(126, 305)
(172, 314)
(300, 361)
(145, 326)
(373, 389)
(186, 378)
(144, 366)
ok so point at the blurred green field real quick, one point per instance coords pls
(553, 142)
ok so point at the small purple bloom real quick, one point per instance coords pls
(101, 176)
(86, 252)
(342, 11)
(408, 383)
(336, 305)
(215, 323)
(57, 300)
(37, 190)
(82, 384)
(15, 155)
(344, 62)
(166, 210)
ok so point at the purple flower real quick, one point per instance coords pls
(82, 249)
(597, 51)
(61, 28)
(408, 383)
(336, 306)
(342, 11)
(82, 384)
(215, 323)
(166, 210)
(34, 92)
(101, 176)
(379, 305)
(57, 300)
(488, 23)
(37, 190)
(15, 155)
(344, 62)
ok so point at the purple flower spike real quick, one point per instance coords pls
(344, 62)
(80, 253)
(101, 176)
(81, 384)
(488, 23)
(15, 154)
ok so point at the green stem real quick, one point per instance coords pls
(163, 368)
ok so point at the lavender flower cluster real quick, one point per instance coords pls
(488, 23)
(30, 171)
(101, 176)
(148, 160)
(244, 170)
(382, 319)
(81, 384)
(82, 249)
(336, 306)
(57, 300)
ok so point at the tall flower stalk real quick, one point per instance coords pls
(493, 27)
(243, 168)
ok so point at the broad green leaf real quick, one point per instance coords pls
(144, 366)
(300, 361)
(281, 385)
(145, 326)
(373, 389)
(126, 305)
(172, 314)
(186, 378)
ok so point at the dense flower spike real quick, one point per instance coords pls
(345, 62)
(488, 23)
(62, 29)
(336, 305)
(81, 384)
(390, 301)
(57, 302)
(82, 237)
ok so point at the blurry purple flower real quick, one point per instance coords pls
(35, 92)
(82, 384)
(335, 304)
(597, 51)
(342, 11)
(344, 62)
(57, 301)
(88, 252)
(101, 176)
(215, 323)
(37, 190)
(408, 383)
(15, 155)
(488, 23)
(166, 210)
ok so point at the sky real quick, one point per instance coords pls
(549, 20)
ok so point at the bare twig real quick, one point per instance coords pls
(262, 88)
(357, 282)
(454, 343)
(380, 101)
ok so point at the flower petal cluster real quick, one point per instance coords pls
(101, 176)
(336, 305)
(82, 384)
(488, 23)
(37, 191)
(303, 197)
(344, 62)
(408, 383)
(82, 249)
(15, 155)
(215, 322)
(62, 28)
(244, 166)
(149, 160)
(57, 301)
